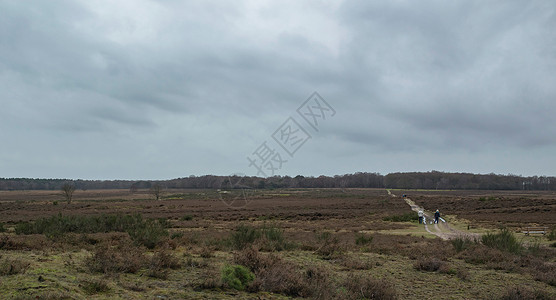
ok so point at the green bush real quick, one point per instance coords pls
(243, 236)
(237, 277)
(552, 235)
(407, 217)
(274, 238)
(329, 245)
(362, 239)
(461, 243)
(143, 231)
(503, 240)
(176, 235)
(148, 233)
(187, 218)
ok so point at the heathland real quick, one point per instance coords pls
(342, 243)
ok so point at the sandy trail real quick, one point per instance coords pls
(442, 230)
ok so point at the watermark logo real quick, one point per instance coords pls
(267, 159)
(291, 136)
(315, 109)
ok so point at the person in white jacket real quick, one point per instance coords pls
(420, 213)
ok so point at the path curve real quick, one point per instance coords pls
(442, 230)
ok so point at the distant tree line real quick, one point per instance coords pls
(411, 180)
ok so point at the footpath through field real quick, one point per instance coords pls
(442, 229)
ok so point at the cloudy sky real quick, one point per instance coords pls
(164, 89)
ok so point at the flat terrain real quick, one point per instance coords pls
(343, 236)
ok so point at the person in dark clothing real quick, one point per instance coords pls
(436, 216)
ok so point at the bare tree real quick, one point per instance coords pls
(156, 190)
(67, 191)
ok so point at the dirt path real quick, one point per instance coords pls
(442, 229)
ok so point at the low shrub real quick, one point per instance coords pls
(545, 272)
(363, 239)
(461, 243)
(319, 284)
(209, 281)
(267, 238)
(534, 247)
(273, 238)
(254, 260)
(206, 251)
(407, 217)
(8, 242)
(524, 293)
(187, 218)
(92, 287)
(354, 263)
(237, 277)
(143, 231)
(480, 254)
(2, 228)
(114, 259)
(243, 236)
(282, 277)
(276, 275)
(503, 240)
(164, 259)
(365, 287)
(148, 233)
(196, 263)
(490, 198)
(49, 295)
(552, 234)
(462, 274)
(329, 245)
(430, 264)
(12, 266)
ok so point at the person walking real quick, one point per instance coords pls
(436, 216)
(420, 213)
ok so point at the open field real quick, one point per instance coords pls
(311, 243)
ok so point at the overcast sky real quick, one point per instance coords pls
(164, 89)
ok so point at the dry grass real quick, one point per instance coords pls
(365, 287)
(431, 264)
(161, 262)
(12, 266)
(335, 254)
(524, 293)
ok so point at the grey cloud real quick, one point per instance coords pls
(214, 79)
